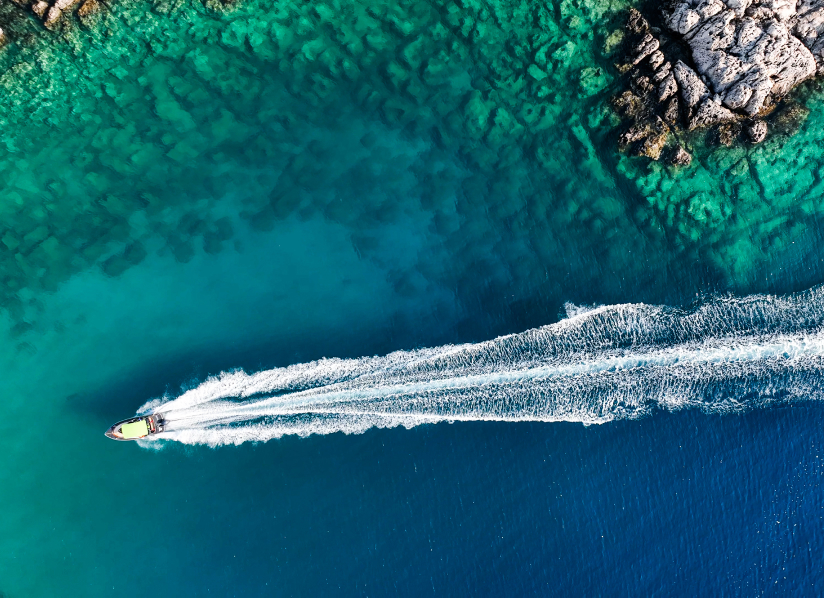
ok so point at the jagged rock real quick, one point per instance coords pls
(680, 157)
(759, 13)
(746, 55)
(636, 132)
(809, 27)
(671, 112)
(647, 138)
(662, 72)
(648, 37)
(56, 11)
(643, 84)
(627, 104)
(656, 59)
(683, 19)
(709, 8)
(88, 8)
(40, 8)
(710, 113)
(738, 96)
(647, 46)
(636, 23)
(654, 145)
(757, 131)
(693, 90)
(667, 88)
(52, 17)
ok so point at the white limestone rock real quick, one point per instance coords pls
(693, 90)
(683, 19)
(737, 97)
(656, 59)
(784, 10)
(40, 8)
(710, 113)
(52, 16)
(747, 52)
(662, 72)
(738, 6)
(757, 131)
(709, 8)
(646, 48)
(809, 28)
(667, 88)
(681, 157)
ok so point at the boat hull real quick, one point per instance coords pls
(154, 425)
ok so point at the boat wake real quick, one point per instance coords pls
(613, 362)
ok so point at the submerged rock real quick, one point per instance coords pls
(654, 145)
(627, 104)
(789, 119)
(728, 134)
(635, 133)
(88, 8)
(646, 138)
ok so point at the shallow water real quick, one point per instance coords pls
(188, 190)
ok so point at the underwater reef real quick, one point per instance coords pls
(160, 126)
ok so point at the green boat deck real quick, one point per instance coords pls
(136, 429)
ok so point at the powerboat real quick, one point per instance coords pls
(136, 428)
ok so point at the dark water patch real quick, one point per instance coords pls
(581, 510)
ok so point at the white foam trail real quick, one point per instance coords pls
(603, 363)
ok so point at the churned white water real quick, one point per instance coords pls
(600, 364)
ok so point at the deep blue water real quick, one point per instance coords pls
(676, 505)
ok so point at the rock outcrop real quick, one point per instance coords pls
(757, 131)
(710, 112)
(750, 53)
(53, 12)
(693, 89)
(680, 157)
(722, 64)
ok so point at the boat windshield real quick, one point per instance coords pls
(137, 429)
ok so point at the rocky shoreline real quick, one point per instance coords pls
(721, 64)
(54, 12)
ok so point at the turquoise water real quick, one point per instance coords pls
(190, 189)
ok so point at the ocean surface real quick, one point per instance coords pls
(419, 328)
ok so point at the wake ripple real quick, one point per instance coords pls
(613, 362)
